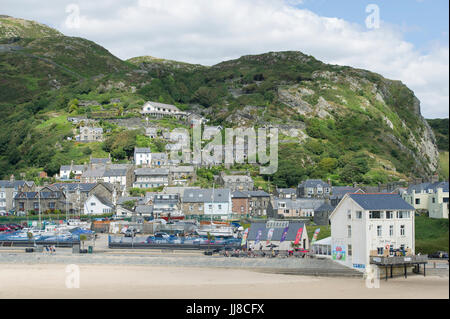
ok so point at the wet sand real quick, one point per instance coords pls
(155, 282)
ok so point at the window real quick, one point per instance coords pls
(349, 231)
(359, 214)
(375, 214)
(92, 203)
(417, 201)
(445, 199)
(349, 214)
(389, 214)
(402, 230)
(380, 250)
(349, 250)
(210, 206)
(379, 231)
(433, 200)
(220, 206)
(391, 230)
(402, 215)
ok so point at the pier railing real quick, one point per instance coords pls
(399, 260)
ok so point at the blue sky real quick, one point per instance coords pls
(422, 21)
(411, 44)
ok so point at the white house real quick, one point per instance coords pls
(77, 170)
(151, 177)
(142, 156)
(366, 225)
(432, 197)
(208, 202)
(98, 205)
(160, 110)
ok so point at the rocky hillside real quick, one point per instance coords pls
(336, 122)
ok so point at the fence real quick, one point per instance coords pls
(171, 243)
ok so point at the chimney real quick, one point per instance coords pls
(11, 178)
(329, 182)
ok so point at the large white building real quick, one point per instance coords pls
(366, 225)
(432, 197)
(160, 110)
(98, 205)
(143, 156)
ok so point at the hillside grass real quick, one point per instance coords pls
(431, 234)
(443, 164)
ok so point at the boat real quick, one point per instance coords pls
(215, 230)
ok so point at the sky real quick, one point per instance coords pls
(404, 40)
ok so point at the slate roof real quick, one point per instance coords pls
(124, 199)
(257, 193)
(100, 160)
(167, 106)
(145, 150)
(221, 195)
(115, 172)
(381, 201)
(237, 178)
(286, 191)
(151, 171)
(312, 183)
(73, 168)
(144, 209)
(418, 188)
(302, 203)
(104, 201)
(42, 195)
(14, 184)
(340, 191)
(239, 194)
(159, 156)
(181, 169)
(277, 232)
(72, 187)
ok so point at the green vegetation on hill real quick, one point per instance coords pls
(440, 129)
(431, 235)
(444, 165)
(356, 125)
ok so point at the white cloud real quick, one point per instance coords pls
(208, 32)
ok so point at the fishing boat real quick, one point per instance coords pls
(216, 230)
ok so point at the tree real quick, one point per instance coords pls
(83, 238)
(328, 164)
(129, 204)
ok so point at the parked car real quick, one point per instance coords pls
(439, 254)
(160, 235)
(130, 232)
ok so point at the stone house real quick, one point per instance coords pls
(236, 182)
(9, 190)
(44, 200)
(151, 177)
(90, 134)
(313, 188)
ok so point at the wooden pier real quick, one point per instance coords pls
(400, 261)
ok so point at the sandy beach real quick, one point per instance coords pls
(156, 282)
